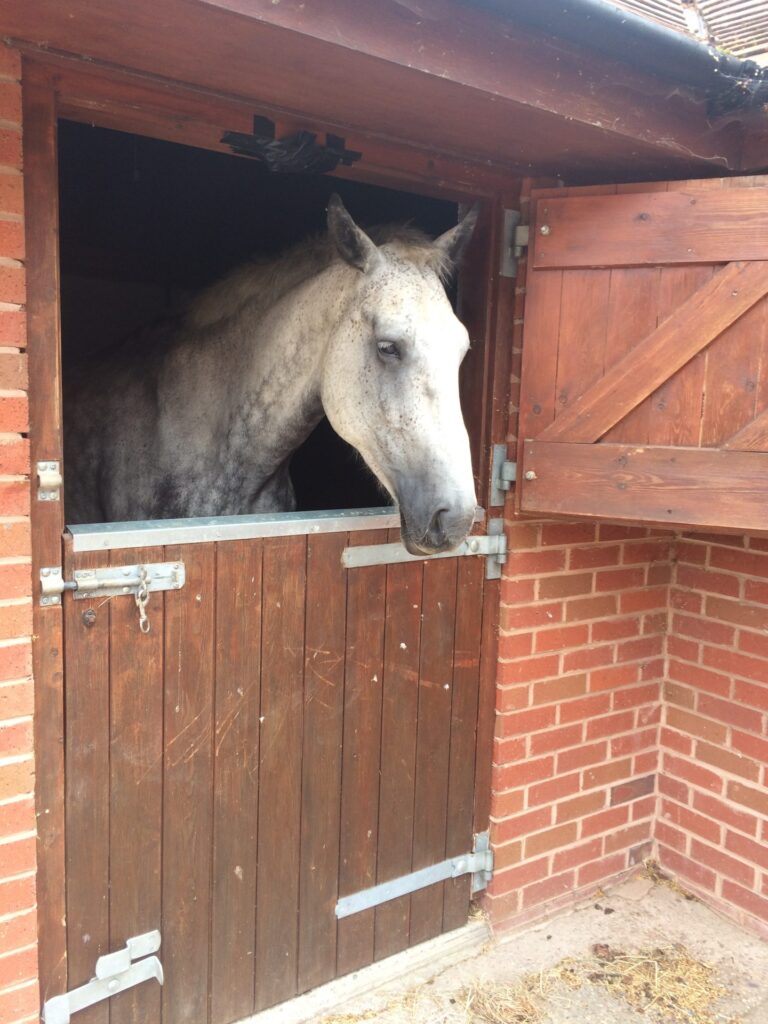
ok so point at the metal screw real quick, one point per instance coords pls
(89, 617)
(45, 572)
(530, 475)
(44, 600)
(544, 229)
(474, 546)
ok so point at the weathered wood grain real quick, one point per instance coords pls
(656, 485)
(643, 229)
(695, 323)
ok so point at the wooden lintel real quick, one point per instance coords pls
(705, 488)
(698, 321)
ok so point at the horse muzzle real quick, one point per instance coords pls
(439, 529)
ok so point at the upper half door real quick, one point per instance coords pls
(645, 380)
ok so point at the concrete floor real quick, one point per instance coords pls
(640, 914)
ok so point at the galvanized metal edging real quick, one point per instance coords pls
(479, 864)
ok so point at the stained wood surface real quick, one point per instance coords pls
(288, 732)
(282, 706)
(753, 437)
(187, 785)
(135, 692)
(674, 486)
(237, 704)
(399, 719)
(44, 361)
(88, 793)
(696, 322)
(648, 228)
(510, 97)
(324, 661)
(361, 754)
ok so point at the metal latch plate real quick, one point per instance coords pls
(479, 864)
(493, 546)
(111, 581)
(115, 972)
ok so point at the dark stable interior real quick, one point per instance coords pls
(145, 224)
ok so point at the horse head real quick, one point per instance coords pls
(390, 380)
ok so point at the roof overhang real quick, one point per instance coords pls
(438, 74)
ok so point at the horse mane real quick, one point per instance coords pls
(268, 280)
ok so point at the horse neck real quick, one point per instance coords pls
(279, 370)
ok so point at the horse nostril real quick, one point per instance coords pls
(437, 527)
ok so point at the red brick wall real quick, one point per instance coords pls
(712, 827)
(581, 663)
(18, 951)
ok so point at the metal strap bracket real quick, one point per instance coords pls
(115, 972)
(479, 864)
(493, 546)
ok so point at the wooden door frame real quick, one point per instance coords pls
(55, 87)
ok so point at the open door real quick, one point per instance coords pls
(645, 362)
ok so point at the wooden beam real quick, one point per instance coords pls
(751, 438)
(690, 487)
(43, 328)
(697, 322)
(649, 228)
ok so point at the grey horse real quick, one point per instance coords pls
(201, 418)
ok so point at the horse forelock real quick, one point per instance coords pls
(267, 281)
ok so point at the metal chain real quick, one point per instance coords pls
(142, 598)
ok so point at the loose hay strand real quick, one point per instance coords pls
(667, 984)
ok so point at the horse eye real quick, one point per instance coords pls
(388, 350)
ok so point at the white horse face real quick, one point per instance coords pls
(390, 382)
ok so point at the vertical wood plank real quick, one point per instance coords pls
(583, 328)
(235, 785)
(361, 753)
(282, 697)
(399, 714)
(321, 758)
(41, 222)
(136, 779)
(674, 415)
(464, 705)
(632, 307)
(486, 711)
(187, 798)
(87, 780)
(433, 740)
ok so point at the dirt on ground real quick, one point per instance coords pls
(645, 952)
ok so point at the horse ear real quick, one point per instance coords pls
(352, 243)
(451, 245)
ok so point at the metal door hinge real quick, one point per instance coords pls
(49, 481)
(514, 239)
(115, 972)
(492, 546)
(503, 475)
(478, 864)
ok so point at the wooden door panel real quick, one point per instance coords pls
(647, 320)
(288, 732)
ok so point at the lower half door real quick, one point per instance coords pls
(287, 732)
